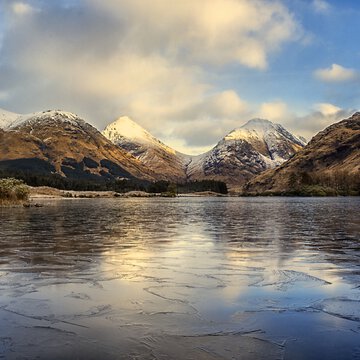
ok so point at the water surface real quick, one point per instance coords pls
(184, 278)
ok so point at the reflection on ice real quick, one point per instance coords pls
(181, 278)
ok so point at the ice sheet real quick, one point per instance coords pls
(218, 278)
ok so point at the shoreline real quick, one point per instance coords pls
(48, 193)
(44, 192)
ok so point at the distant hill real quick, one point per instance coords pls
(331, 160)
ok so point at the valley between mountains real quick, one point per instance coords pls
(258, 156)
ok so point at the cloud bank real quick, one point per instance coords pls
(160, 62)
(336, 73)
(318, 118)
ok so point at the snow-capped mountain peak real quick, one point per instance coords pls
(131, 137)
(258, 124)
(47, 117)
(254, 147)
(255, 128)
(9, 120)
(125, 129)
(263, 130)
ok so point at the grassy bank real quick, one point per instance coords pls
(306, 191)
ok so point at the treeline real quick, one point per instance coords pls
(102, 184)
(203, 185)
(324, 184)
(63, 183)
(188, 187)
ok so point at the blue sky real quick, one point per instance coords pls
(187, 70)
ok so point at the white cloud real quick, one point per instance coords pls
(227, 104)
(314, 120)
(204, 121)
(156, 61)
(220, 105)
(182, 146)
(205, 132)
(274, 111)
(336, 73)
(148, 60)
(318, 118)
(327, 109)
(20, 8)
(321, 6)
(212, 31)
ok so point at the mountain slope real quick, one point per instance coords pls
(167, 163)
(7, 118)
(244, 152)
(61, 142)
(333, 154)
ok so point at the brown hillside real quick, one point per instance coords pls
(333, 155)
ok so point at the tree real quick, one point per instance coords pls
(293, 181)
(171, 190)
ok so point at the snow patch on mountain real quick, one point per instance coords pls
(262, 129)
(48, 117)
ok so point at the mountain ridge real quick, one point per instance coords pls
(58, 142)
(244, 152)
(262, 142)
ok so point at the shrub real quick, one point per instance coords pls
(13, 190)
(317, 190)
(171, 190)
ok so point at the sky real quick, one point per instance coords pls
(189, 71)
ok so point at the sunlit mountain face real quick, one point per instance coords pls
(58, 142)
(330, 160)
(165, 161)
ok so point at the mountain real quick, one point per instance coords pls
(167, 163)
(256, 146)
(60, 142)
(246, 151)
(331, 159)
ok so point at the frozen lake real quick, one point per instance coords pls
(183, 278)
